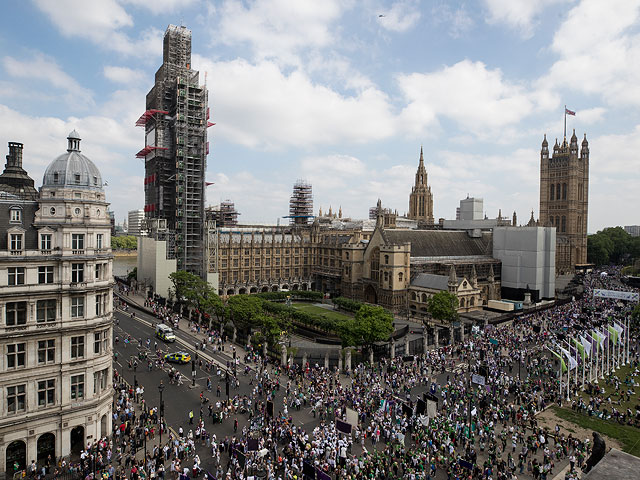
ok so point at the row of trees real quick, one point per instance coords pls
(125, 242)
(612, 246)
(370, 324)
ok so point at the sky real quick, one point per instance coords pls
(342, 94)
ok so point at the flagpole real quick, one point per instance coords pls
(565, 121)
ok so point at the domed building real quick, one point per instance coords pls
(55, 310)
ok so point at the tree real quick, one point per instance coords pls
(612, 245)
(125, 242)
(443, 306)
(243, 309)
(133, 274)
(370, 324)
(187, 287)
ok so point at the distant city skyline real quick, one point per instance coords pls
(335, 94)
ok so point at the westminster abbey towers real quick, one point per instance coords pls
(564, 199)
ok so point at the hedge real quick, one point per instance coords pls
(348, 304)
(310, 320)
(306, 294)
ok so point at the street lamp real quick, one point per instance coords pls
(160, 389)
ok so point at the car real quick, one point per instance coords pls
(178, 357)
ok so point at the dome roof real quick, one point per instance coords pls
(72, 169)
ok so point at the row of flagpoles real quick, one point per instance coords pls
(595, 353)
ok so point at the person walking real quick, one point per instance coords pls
(191, 417)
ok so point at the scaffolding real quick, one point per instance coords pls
(176, 147)
(301, 204)
(225, 214)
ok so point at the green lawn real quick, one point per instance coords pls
(325, 312)
(621, 373)
(629, 437)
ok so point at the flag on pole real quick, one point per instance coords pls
(586, 346)
(613, 333)
(572, 361)
(580, 347)
(619, 328)
(569, 112)
(599, 338)
(562, 362)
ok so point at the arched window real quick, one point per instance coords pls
(564, 224)
(551, 218)
(386, 276)
(564, 191)
(413, 295)
(400, 276)
(424, 297)
(472, 301)
(552, 192)
(386, 259)
(557, 223)
(558, 191)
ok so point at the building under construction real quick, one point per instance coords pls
(225, 214)
(176, 148)
(301, 204)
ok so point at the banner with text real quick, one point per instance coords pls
(630, 296)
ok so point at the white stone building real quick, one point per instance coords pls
(55, 310)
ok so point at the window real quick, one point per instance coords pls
(95, 180)
(45, 274)
(77, 241)
(16, 275)
(400, 276)
(564, 224)
(223, 264)
(46, 351)
(77, 307)
(564, 191)
(56, 176)
(15, 241)
(16, 355)
(101, 303)
(552, 194)
(16, 398)
(76, 177)
(46, 393)
(16, 313)
(386, 259)
(99, 241)
(235, 262)
(46, 311)
(77, 272)
(98, 271)
(77, 347)
(256, 262)
(52, 211)
(100, 380)
(45, 241)
(16, 215)
(246, 262)
(100, 342)
(77, 387)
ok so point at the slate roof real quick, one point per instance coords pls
(432, 281)
(441, 243)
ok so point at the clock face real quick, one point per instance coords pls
(77, 211)
(52, 210)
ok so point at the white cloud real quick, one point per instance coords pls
(521, 15)
(100, 22)
(457, 20)
(401, 17)
(332, 171)
(41, 67)
(123, 75)
(599, 52)
(278, 29)
(259, 106)
(160, 6)
(478, 99)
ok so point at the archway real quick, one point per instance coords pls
(285, 287)
(294, 287)
(220, 292)
(253, 290)
(231, 291)
(304, 287)
(16, 456)
(242, 291)
(265, 289)
(46, 447)
(370, 295)
(312, 286)
(77, 440)
(274, 288)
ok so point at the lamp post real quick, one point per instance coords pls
(160, 389)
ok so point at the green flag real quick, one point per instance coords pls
(564, 365)
(613, 332)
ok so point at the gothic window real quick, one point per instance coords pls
(564, 191)
(564, 224)
(400, 276)
(558, 223)
(551, 219)
(552, 191)
(558, 191)
(413, 295)
(386, 259)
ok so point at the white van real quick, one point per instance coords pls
(164, 332)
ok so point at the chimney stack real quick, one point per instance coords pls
(14, 159)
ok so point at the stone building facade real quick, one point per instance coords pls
(564, 199)
(55, 311)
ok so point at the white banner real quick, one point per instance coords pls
(479, 379)
(631, 296)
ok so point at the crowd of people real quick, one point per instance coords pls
(467, 430)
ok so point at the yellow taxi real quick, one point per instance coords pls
(178, 357)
